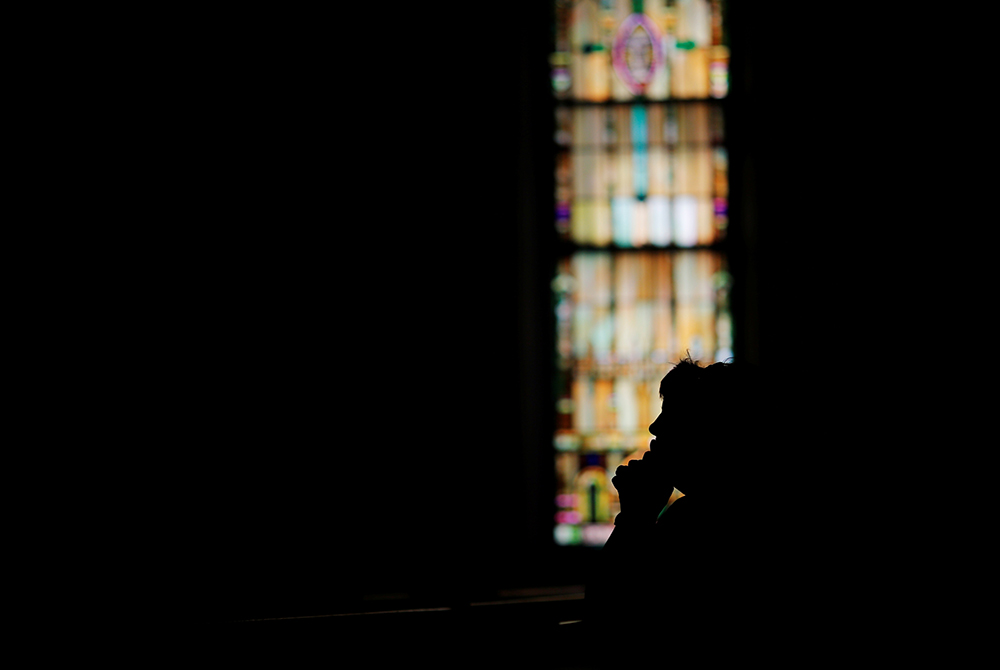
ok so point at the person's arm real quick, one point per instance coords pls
(624, 570)
(615, 579)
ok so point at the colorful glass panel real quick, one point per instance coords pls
(642, 209)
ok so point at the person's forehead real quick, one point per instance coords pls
(672, 383)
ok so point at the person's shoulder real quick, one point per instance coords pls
(704, 528)
(687, 510)
(682, 525)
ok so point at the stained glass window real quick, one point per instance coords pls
(641, 210)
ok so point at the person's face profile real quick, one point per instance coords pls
(674, 442)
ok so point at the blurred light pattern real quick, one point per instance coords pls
(660, 49)
(642, 208)
(621, 318)
(640, 175)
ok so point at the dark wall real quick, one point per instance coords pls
(351, 343)
(352, 332)
(360, 329)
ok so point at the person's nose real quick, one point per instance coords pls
(655, 426)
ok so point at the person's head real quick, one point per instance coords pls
(706, 433)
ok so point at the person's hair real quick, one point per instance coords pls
(725, 403)
(685, 374)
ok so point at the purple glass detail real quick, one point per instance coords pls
(637, 52)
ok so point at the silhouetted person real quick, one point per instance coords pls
(690, 578)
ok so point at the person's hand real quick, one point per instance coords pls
(643, 489)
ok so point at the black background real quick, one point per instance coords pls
(341, 376)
